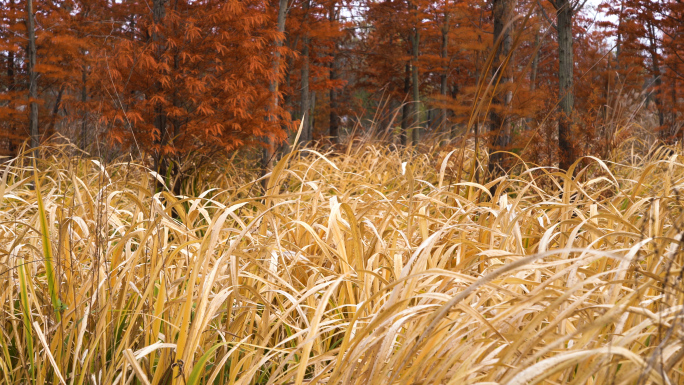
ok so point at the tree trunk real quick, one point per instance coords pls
(160, 163)
(673, 95)
(305, 107)
(55, 110)
(533, 74)
(453, 127)
(500, 127)
(84, 112)
(406, 108)
(267, 153)
(11, 84)
(416, 88)
(33, 76)
(443, 87)
(564, 13)
(535, 63)
(288, 104)
(658, 80)
(334, 68)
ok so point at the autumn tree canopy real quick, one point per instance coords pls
(550, 80)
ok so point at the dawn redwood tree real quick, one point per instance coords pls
(661, 34)
(393, 56)
(314, 35)
(192, 76)
(386, 48)
(38, 51)
(12, 46)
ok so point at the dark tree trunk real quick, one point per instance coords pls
(453, 126)
(11, 84)
(305, 107)
(288, 102)
(500, 127)
(658, 80)
(160, 161)
(533, 74)
(267, 153)
(33, 76)
(406, 108)
(564, 13)
(443, 87)
(535, 63)
(84, 112)
(673, 95)
(334, 68)
(416, 88)
(55, 110)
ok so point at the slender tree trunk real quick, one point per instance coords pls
(406, 108)
(11, 84)
(305, 106)
(443, 87)
(33, 76)
(84, 112)
(618, 44)
(334, 68)
(658, 79)
(533, 74)
(10, 71)
(55, 110)
(500, 126)
(453, 127)
(535, 63)
(267, 153)
(158, 13)
(288, 102)
(673, 95)
(334, 128)
(564, 13)
(312, 113)
(416, 88)
(176, 140)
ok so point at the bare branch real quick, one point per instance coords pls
(578, 7)
(546, 16)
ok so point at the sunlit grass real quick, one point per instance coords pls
(365, 266)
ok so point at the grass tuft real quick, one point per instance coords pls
(373, 266)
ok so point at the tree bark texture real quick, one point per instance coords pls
(406, 108)
(33, 76)
(334, 69)
(267, 153)
(305, 107)
(657, 79)
(416, 88)
(443, 87)
(84, 112)
(500, 127)
(564, 13)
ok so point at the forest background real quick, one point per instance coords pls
(551, 81)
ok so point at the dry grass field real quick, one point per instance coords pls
(370, 266)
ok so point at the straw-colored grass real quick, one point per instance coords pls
(366, 267)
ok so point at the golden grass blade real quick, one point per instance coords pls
(48, 353)
(57, 305)
(128, 353)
